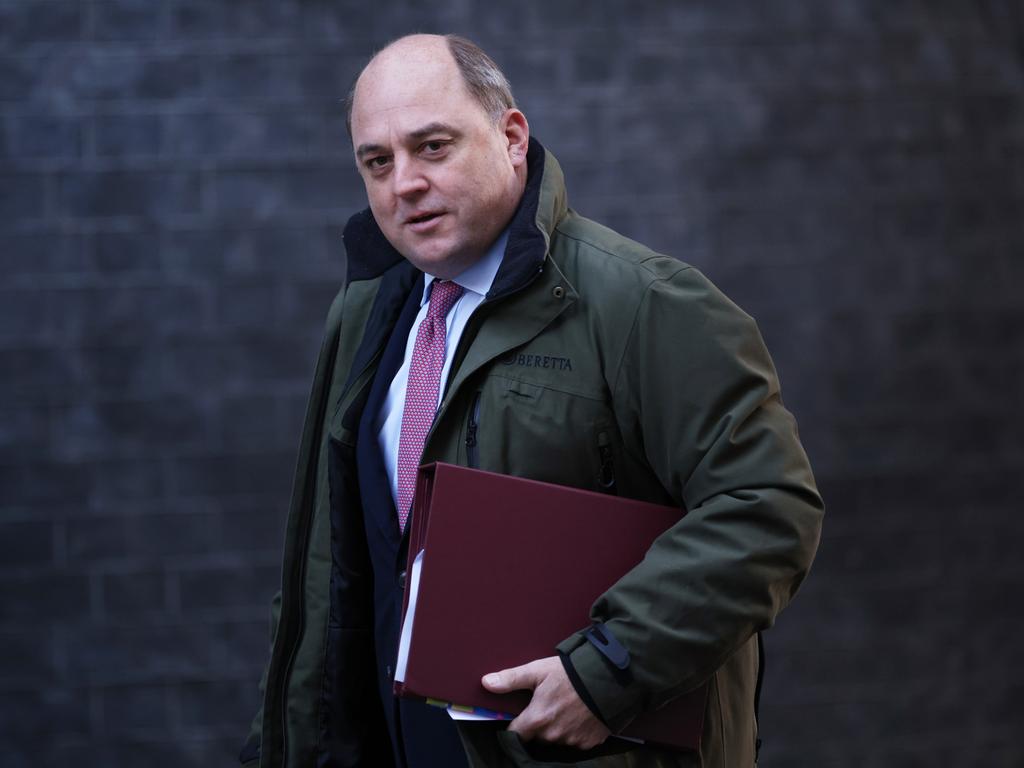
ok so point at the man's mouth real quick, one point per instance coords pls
(423, 223)
(422, 217)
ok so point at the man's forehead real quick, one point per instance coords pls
(402, 119)
(400, 73)
(401, 98)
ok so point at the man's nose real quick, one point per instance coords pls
(408, 178)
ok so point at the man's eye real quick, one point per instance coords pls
(433, 147)
(377, 162)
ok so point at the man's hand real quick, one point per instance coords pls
(555, 713)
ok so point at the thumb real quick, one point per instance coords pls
(512, 679)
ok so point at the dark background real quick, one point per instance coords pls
(174, 177)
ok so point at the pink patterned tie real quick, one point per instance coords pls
(421, 392)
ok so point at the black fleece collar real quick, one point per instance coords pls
(370, 254)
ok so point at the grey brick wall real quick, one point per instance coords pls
(174, 177)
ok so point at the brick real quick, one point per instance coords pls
(243, 650)
(128, 20)
(241, 134)
(255, 78)
(22, 196)
(320, 80)
(497, 26)
(92, 74)
(118, 655)
(259, 194)
(128, 193)
(25, 24)
(28, 315)
(124, 480)
(207, 591)
(140, 538)
(46, 136)
(251, 304)
(293, 410)
(196, 362)
(251, 474)
(135, 710)
(542, 67)
(121, 426)
(43, 482)
(296, 251)
(120, 252)
(23, 432)
(167, 750)
(195, 19)
(201, 253)
(126, 136)
(259, 528)
(42, 253)
(30, 715)
(250, 422)
(130, 315)
(26, 543)
(27, 660)
(126, 369)
(39, 598)
(133, 594)
(277, 359)
(307, 302)
(216, 704)
(15, 79)
(214, 363)
(328, 21)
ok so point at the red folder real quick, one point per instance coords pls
(510, 569)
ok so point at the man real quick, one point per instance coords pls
(486, 324)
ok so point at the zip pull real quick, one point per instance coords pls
(606, 475)
(472, 453)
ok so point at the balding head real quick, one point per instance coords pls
(481, 77)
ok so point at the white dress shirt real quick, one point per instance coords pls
(477, 282)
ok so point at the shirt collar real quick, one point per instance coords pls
(479, 277)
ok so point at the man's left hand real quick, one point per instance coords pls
(555, 713)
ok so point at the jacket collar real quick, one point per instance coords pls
(541, 207)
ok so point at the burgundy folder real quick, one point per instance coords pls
(510, 569)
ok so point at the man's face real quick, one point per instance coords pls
(440, 174)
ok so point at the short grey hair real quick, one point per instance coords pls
(483, 78)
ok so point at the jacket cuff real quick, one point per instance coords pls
(581, 689)
(611, 693)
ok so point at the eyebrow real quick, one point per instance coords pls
(413, 136)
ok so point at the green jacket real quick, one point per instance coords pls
(593, 363)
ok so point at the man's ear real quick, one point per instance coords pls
(517, 133)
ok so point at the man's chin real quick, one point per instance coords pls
(443, 263)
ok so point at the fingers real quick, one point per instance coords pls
(514, 679)
(555, 712)
(557, 727)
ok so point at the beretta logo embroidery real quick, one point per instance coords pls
(538, 361)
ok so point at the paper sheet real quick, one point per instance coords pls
(406, 636)
(456, 712)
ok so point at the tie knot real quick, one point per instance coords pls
(442, 296)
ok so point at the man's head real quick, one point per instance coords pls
(441, 149)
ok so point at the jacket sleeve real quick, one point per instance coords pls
(697, 399)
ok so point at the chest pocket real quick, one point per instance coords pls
(540, 432)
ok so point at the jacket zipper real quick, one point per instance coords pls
(606, 475)
(472, 452)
